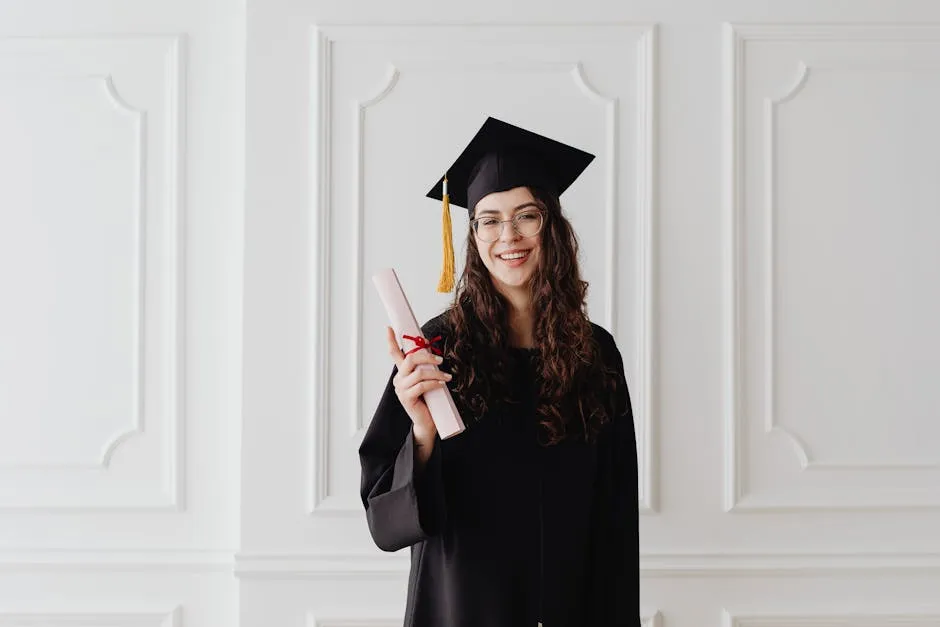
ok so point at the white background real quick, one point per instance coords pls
(194, 195)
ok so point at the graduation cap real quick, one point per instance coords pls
(500, 157)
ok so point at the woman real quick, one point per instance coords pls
(529, 516)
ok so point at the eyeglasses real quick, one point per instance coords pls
(526, 224)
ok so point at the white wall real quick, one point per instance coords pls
(758, 230)
(121, 141)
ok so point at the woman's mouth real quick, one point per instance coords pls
(514, 258)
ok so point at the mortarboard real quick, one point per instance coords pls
(500, 157)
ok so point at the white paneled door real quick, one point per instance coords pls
(194, 196)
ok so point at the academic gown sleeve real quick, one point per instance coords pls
(615, 579)
(403, 506)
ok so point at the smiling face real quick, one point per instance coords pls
(513, 258)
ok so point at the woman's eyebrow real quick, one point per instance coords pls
(514, 209)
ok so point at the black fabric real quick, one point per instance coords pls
(502, 156)
(502, 531)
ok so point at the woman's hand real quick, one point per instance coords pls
(417, 373)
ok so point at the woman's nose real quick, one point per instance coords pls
(509, 233)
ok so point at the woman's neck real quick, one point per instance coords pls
(520, 316)
(521, 326)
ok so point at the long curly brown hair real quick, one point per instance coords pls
(572, 384)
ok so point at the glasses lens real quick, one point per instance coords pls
(528, 223)
(487, 229)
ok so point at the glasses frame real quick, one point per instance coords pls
(515, 226)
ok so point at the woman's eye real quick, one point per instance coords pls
(487, 222)
(528, 216)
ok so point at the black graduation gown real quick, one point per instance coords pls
(504, 532)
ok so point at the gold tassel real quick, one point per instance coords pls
(446, 282)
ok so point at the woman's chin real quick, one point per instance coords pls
(514, 280)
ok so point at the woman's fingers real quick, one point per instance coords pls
(409, 374)
(411, 381)
(422, 374)
(407, 363)
(411, 362)
(393, 349)
(414, 392)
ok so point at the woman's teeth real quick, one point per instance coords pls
(511, 256)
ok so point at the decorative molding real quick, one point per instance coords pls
(175, 257)
(355, 379)
(319, 501)
(835, 32)
(320, 143)
(172, 71)
(317, 566)
(728, 564)
(313, 620)
(801, 449)
(648, 620)
(357, 565)
(770, 195)
(137, 119)
(86, 561)
(652, 565)
(646, 328)
(736, 37)
(733, 60)
(831, 619)
(132, 618)
(610, 200)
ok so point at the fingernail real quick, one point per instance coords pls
(448, 375)
(438, 359)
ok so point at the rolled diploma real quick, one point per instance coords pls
(403, 322)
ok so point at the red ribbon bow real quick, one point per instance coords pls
(421, 342)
